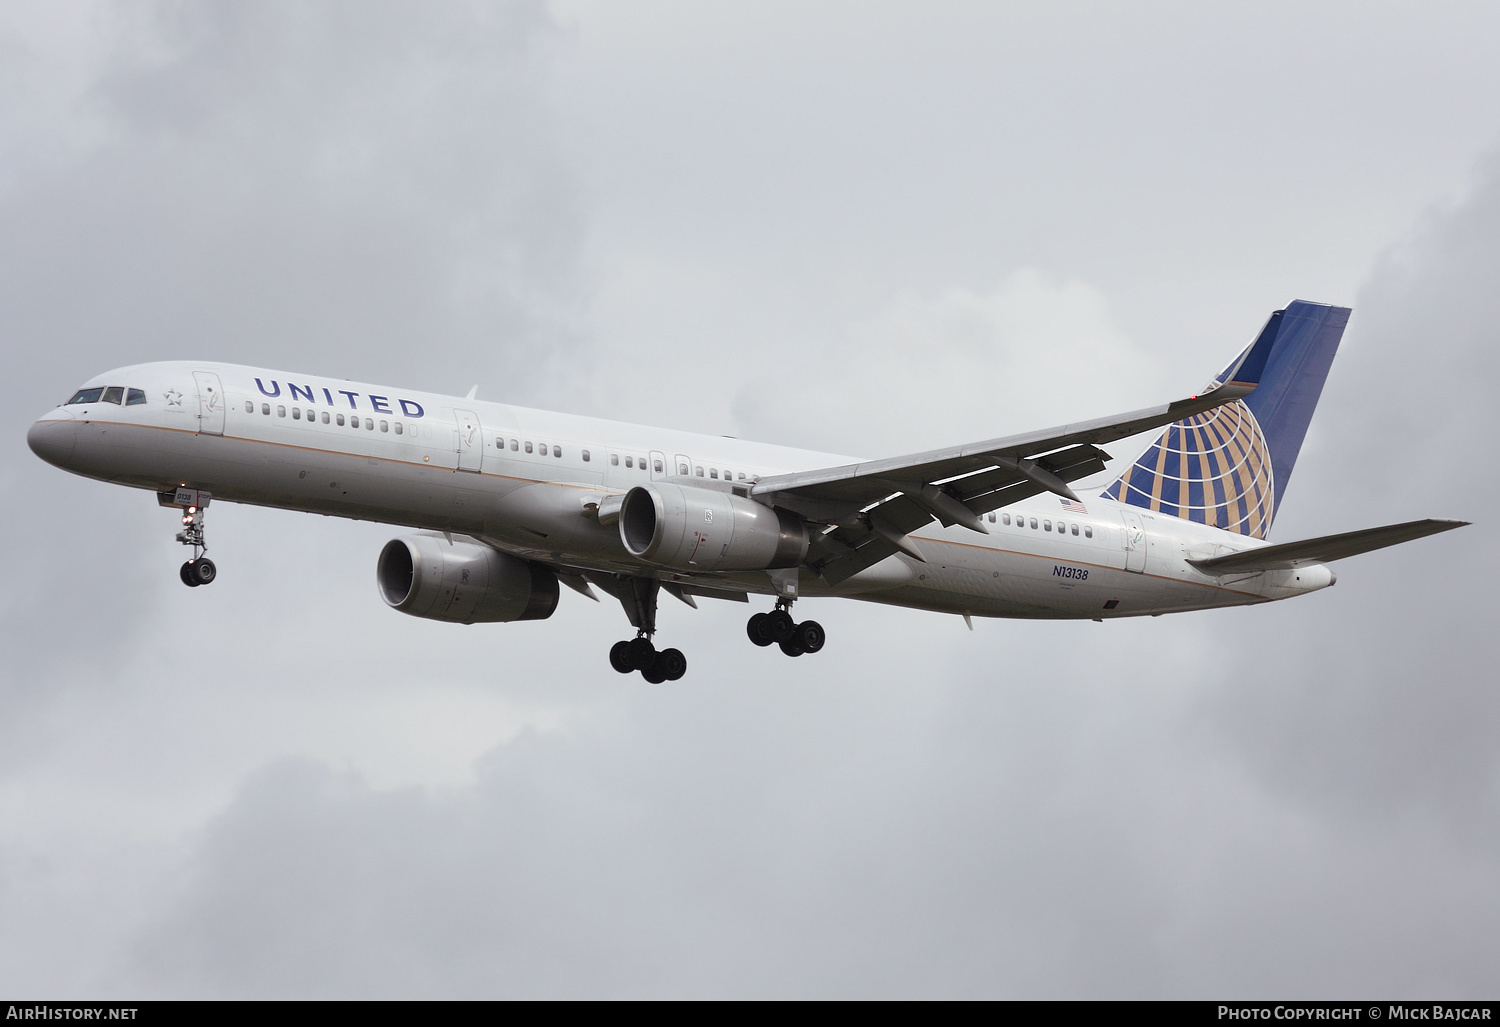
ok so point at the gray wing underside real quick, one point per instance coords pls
(1322, 550)
(869, 508)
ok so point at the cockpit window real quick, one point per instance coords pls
(135, 397)
(114, 394)
(86, 396)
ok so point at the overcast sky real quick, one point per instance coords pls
(844, 226)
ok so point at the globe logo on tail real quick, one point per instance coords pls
(1213, 468)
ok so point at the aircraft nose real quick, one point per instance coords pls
(52, 437)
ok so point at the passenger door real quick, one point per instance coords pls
(1135, 541)
(211, 403)
(470, 441)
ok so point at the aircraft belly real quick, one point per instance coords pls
(550, 520)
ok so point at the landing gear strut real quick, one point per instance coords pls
(639, 653)
(778, 628)
(200, 570)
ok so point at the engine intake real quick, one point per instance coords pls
(706, 530)
(464, 583)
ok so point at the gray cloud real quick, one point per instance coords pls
(279, 788)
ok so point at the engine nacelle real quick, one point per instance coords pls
(706, 530)
(465, 582)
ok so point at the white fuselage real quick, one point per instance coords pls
(527, 481)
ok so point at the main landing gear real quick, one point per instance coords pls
(200, 570)
(778, 628)
(638, 595)
(639, 654)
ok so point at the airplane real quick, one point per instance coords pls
(509, 503)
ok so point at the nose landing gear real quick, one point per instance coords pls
(200, 570)
(778, 628)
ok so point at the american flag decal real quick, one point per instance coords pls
(1073, 507)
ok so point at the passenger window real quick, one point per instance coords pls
(325, 417)
(135, 397)
(992, 518)
(541, 449)
(249, 407)
(513, 445)
(398, 426)
(700, 472)
(741, 477)
(528, 447)
(385, 426)
(280, 410)
(1088, 531)
(557, 452)
(1075, 529)
(614, 459)
(114, 394)
(1005, 518)
(265, 409)
(369, 424)
(656, 466)
(341, 420)
(1033, 524)
(499, 442)
(296, 413)
(1046, 525)
(682, 469)
(585, 456)
(713, 472)
(630, 461)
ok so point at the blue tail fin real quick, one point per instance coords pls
(1228, 467)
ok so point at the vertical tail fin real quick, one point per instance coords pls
(1228, 467)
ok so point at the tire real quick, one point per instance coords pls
(810, 636)
(792, 648)
(779, 626)
(756, 629)
(186, 574)
(653, 674)
(641, 652)
(619, 657)
(203, 570)
(671, 663)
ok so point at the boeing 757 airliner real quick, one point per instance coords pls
(511, 502)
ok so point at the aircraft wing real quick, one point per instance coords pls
(871, 507)
(1322, 550)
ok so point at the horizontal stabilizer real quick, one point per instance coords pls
(1322, 550)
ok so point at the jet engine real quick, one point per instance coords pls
(699, 529)
(462, 582)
